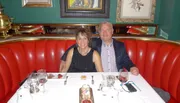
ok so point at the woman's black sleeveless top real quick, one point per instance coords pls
(82, 63)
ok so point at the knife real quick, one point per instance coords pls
(65, 82)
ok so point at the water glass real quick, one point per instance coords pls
(108, 83)
(110, 80)
(33, 83)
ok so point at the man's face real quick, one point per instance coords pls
(106, 33)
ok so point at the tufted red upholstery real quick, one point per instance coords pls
(159, 64)
(158, 61)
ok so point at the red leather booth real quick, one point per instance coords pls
(158, 61)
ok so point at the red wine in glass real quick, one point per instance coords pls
(42, 75)
(42, 80)
(123, 79)
(123, 75)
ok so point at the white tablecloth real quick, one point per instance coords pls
(57, 92)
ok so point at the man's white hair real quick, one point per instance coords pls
(105, 22)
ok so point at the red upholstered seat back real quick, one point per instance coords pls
(19, 59)
(157, 60)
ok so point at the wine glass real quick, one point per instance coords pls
(33, 83)
(123, 75)
(42, 78)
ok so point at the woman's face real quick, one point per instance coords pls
(82, 41)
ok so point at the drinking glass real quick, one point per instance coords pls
(33, 83)
(110, 80)
(42, 78)
(107, 87)
(107, 84)
(123, 75)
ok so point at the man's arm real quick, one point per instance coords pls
(95, 42)
(66, 52)
(63, 58)
(128, 63)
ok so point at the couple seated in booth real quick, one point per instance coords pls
(103, 54)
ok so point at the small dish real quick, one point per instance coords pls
(55, 76)
(83, 77)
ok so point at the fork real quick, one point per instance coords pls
(65, 82)
(100, 87)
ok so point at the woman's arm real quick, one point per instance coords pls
(68, 61)
(97, 61)
(62, 65)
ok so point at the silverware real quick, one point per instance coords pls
(117, 77)
(92, 79)
(103, 77)
(65, 82)
(100, 87)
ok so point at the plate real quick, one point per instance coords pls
(55, 76)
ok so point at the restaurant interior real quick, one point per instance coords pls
(34, 35)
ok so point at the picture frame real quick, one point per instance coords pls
(84, 8)
(135, 11)
(36, 3)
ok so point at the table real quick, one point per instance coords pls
(57, 92)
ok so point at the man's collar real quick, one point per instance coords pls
(104, 44)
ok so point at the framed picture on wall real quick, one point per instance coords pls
(37, 3)
(84, 8)
(135, 10)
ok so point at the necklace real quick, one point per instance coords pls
(85, 51)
